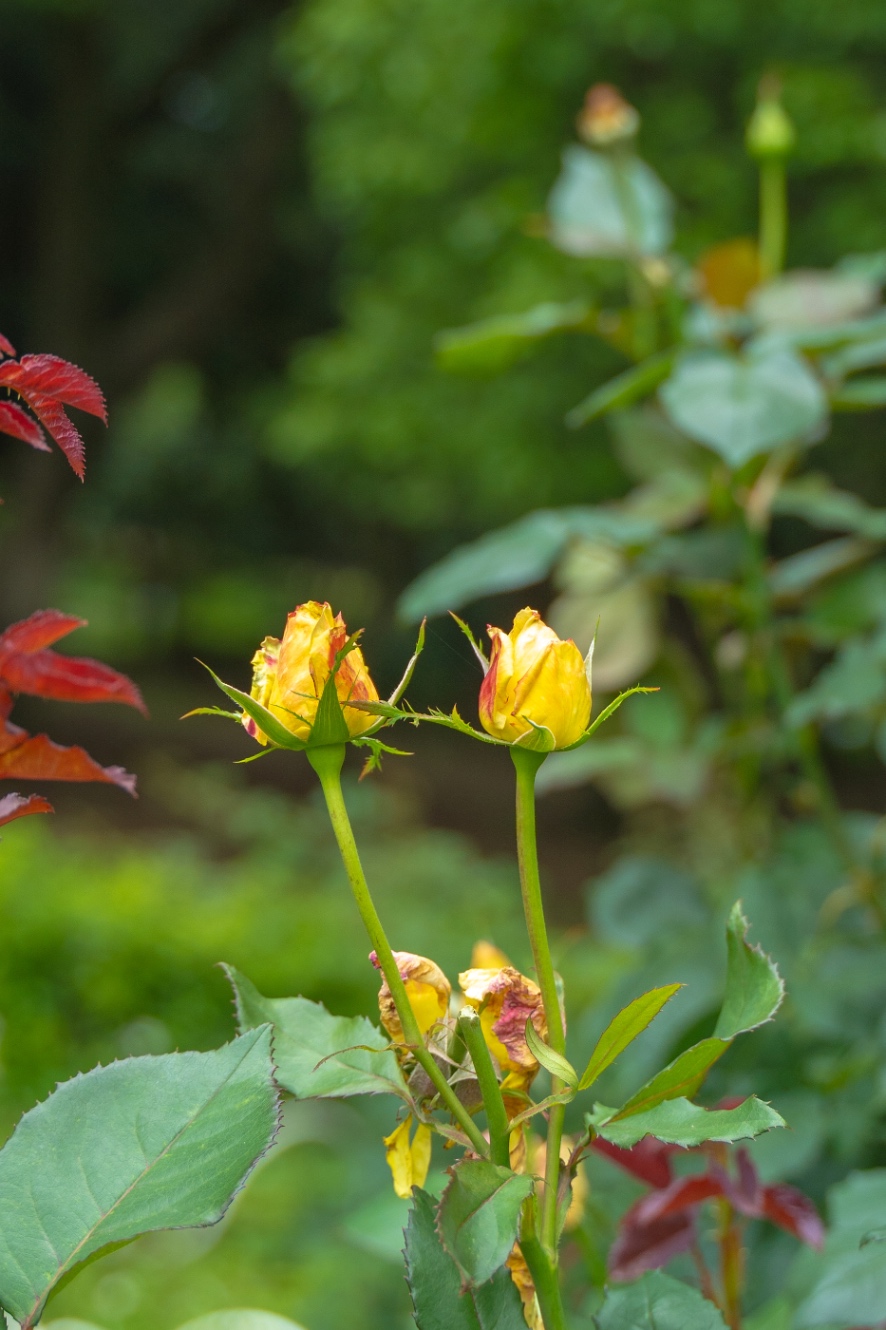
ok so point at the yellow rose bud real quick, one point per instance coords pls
(289, 675)
(408, 1162)
(506, 1000)
(486, 956)
(427, 988)
(537, 690)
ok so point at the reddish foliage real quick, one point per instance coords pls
(20, 805)
(662, 1224)
(47, 384)
(26, 756)
(6, 346)
(27, 667)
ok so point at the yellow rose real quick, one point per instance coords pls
(506, 1000)
(427, 988)
(288, 676)
(536, 692)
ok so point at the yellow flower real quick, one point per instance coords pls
(288, 676)
(506, 1000)
(537, 690)
(427, 988)
(486, 956)
(408, 1162)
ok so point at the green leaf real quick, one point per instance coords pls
(264, 719)
(517, 556)
(552, 1061)
(353, 1056)
(145, 1144)
(623, 390)
(821, 504)
(684, 1076)
(623, 1029)
(850, 1285)
(679, 1122)
(606, 208)
(754, 988)
(807, 298)
(493, 344)
(241, 1318)
(798, 573)
(435, 1286)
(479, 1217)
(862, 394)
(744, 405)
(657, 1302)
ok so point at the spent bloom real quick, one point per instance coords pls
(408, 1161)
(288, 676)
(506, 1000)
(537, 689)
(427, 988)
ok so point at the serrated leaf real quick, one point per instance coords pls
(317, 1055)
(141, 1145)
(683, 1076)
(479, 1217)
(679, 1122)
(657, 1302)
(548, 1058)
(754, 988)
(624, 1028)
(435, 1286)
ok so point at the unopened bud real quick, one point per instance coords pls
(606, 118)
(770, 132)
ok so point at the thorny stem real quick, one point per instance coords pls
(327, 761)
(732, 1264)
(527, 764)
(543, 1270)
(496, 1114)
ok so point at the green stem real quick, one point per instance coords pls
(773, 216)
(496, 1114)
(527, 764)
(543, 1270)
(732, 1265)
(327, 761)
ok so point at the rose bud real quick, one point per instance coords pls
(289, 675)
(606, 117)
(537, 689)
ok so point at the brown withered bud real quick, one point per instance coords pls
(606, 118)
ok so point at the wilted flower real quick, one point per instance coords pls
(606, 117)
(537, 690)
(427, 988)
(408, 1161)
(288, 676)
(506, 1000)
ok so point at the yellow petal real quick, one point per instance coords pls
(486, 956)
(536, 691)
(427, 988)
(409, 1163)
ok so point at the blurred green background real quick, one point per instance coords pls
(248, 219)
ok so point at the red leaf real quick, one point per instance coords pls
(35, 757)
(682, 1194)
(6, 346)
(640, 1247)
(39, 630)
(745, 1193)
(20, 805)
(69, 679)
(52, 377)
(66, 435)
(648, 1160)
(791, 1210)
(15, 421)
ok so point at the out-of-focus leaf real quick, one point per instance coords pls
(479, 1217)
(754, 988)
(863, 394)
(17, 423)
(29, 757)
(26, 666)
(317, 1055)
(855, 355)
(494, 343)
(650, 449)
(648, 1160)
(658, 1302)
(435, 1285)
(145, 1144)
(854, 681)
(744, 404)
(515, 556)
(601, 208)
(38, 631)
(793, 1211)
(623, 390)
(241, 1318)
(679, 1122)
(623, 1029)
(819, 502)
(729, 272)
(622, 622)
(808, 298)
(850, 1288)
(799, 573)
(639, 1248)
(21, 805)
